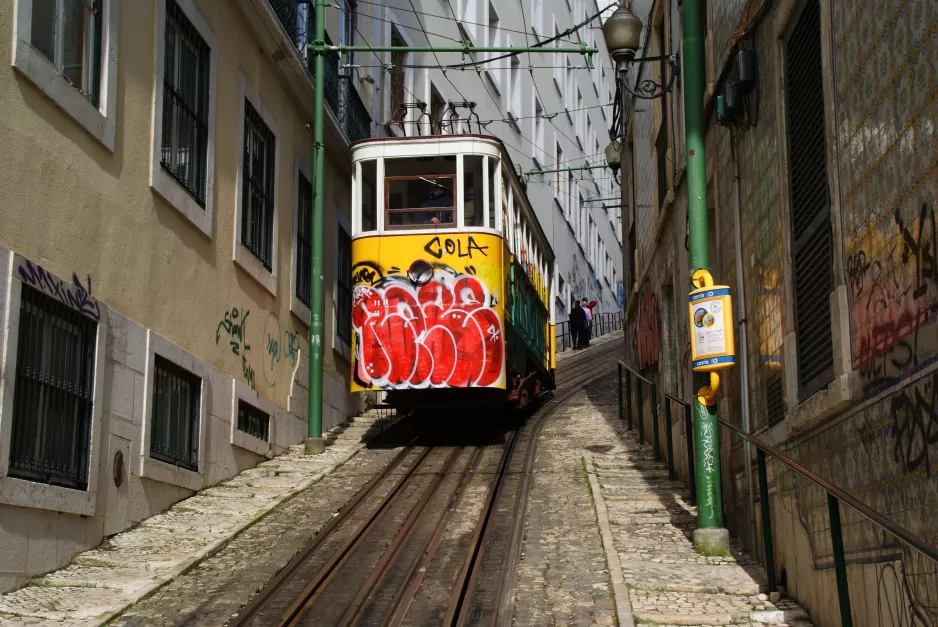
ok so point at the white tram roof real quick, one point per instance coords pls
(443, 145)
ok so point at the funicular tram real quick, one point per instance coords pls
(452, 276)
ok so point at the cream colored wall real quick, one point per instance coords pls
(71, 205)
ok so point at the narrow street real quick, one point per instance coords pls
(428, 526)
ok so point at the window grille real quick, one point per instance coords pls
(304, 237)
(53, 393)
(812, 239)
(186, 67)
(174, 432)
(257, 197)
(343, 299)
(253, 421)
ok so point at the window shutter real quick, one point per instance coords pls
(812, 238)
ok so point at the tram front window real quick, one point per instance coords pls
(418, 201)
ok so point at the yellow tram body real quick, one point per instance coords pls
(428, 311)
(452, 275)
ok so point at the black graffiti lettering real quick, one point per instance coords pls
(918, 246)
(915, 424)
(436, 247)
(474, 246)
(367, 272)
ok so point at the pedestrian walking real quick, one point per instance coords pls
(588, 326)
(577, 325)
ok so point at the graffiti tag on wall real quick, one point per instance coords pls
(649, 333)
(431, 328)
(232, 327)
(895, 299)
(74, 294)
(280, 345)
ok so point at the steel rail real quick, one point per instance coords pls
(419, 569)
(397, 544)
(457, 613)
(266, 594)
(300, 604)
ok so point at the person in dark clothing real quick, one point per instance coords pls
(577, 325)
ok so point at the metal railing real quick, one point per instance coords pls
(603, 324)
(835, 496)
(339, 92)
(626, 408)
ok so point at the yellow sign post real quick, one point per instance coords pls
(711, 318)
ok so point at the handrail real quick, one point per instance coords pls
(835, 495)
(676, 400)
(635, 372)
(898, 531)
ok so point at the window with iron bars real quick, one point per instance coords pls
(304, 237)
(185, 103)
(253, 421)
(343, 298)
(257, 196)
(69, 34)
(53, 393)
(174, 431)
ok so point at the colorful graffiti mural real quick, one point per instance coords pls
(431, 326)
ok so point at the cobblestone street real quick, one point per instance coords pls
(596, 488)
(607, 538)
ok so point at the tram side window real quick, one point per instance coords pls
(369, 195)
(420, 192)
(421, 200)
(473, 191)
(493, 185)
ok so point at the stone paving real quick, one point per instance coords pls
(100, 584)
(597, 492)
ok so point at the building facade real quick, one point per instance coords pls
(154, 256)
(822, 198)
(550, 110)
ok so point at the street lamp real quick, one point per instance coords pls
(614, 158)
(622, 32)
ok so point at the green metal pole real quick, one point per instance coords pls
(766, 520)
(710, 535)
(621, 407)
(576, 169)
(840, 563)
(314, 442)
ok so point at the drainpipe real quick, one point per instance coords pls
(743, 352)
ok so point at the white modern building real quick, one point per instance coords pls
(551, 110)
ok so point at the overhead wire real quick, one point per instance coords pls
(443, 17)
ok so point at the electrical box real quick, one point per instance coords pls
(711, 328)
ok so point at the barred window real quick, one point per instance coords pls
(253, 421)
(69, 34)
(257, 197)
(53, 393)
(186, 67)
(174, 431)
(343, 298)
(304, 236)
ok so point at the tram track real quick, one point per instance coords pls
(434, 538)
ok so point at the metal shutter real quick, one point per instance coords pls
(812, 239)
